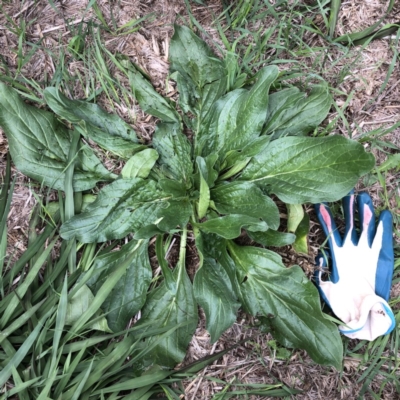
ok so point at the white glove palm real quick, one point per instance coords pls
(362, 270)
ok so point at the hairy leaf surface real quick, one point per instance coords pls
(129, 294)
(39, 145)
(122, 207)
(107, 130)
(290, 302)
(300, 170)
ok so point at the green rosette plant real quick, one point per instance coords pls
(217, 156)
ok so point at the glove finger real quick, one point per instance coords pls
(321, 262)
(366, 214)
(384, 240)
(321, 266)
(348, 207)
(328, 225)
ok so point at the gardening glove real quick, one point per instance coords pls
(358, 286)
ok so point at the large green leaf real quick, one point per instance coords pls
(238, 117)
(192, 58)
(229, 226)
(149, 100)
(291, 112)
(129, 294)
(39, 145)
(214, 293)
(171, 306)
(252, 110)
(214, 247)
(290, 302)
(201, 79)
(125, 206)
(107, 130)
(247, 199)
(222, 121)
(175, 152)
(189, 95)
(306, 169)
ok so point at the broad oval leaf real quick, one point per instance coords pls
(175, 151)
(107, 130)
(290, 302)
(291, 112)
(222, 121)
(214, 293)
(306, 169)
(192, 58)
(253, 110)
(170, 308)
(201, 79)
(39, 145)
(140, 164)
(123, 207)
(149, 100)
(229, 226)
(247, 199)
(129, 294)
(238, 117)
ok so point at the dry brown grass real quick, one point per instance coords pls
(255, 361)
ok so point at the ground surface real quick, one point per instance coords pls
(365, 83)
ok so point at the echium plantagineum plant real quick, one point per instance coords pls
(247, 144)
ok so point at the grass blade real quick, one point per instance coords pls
(333, 17)
(23, 287)
(22, 351)
(361, 37)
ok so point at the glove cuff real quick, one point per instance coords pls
(374, 319)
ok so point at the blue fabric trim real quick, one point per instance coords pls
(389, 312)
(384, 270)
(391, 315)
(351, 330)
